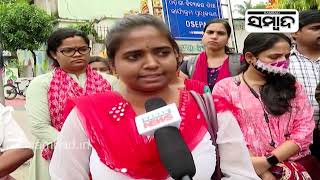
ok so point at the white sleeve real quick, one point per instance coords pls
(235, 160)
(113, 81)
(13, 136)
(72, 152)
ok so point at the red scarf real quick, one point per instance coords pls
(62, 87)
(110, 126)
(194, 85)
(201, 69)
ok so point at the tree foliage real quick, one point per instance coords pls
(7, 1)
(24, 26)
(260, 5)
(241, 9)
(298, 4)
(88, 27)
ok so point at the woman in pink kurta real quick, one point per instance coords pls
(273, 110)
(298, 127)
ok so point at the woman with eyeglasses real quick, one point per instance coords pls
(273, 110)
(47, 94)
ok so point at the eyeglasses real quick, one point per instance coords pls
(69, 52)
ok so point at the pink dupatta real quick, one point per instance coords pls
(61, 88)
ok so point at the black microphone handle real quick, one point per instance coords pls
(174, 153)
(186, 178)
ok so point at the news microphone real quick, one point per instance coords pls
(162, 120)
(174, 153)
(158, 114)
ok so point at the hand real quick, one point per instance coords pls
(260, 164)
(267, 176)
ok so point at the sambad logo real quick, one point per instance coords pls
(272, 20)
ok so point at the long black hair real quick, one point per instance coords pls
(279, 90)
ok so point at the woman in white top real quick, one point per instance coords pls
(100, 137)
(47, 94)
(15, 148)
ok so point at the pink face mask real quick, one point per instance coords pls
(278, 67)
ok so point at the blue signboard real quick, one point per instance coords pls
(187, 18)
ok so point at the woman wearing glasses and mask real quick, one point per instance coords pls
(48, 93)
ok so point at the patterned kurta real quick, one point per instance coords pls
(296, 125)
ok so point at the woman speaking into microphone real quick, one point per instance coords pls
(145, 58)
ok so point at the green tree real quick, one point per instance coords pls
(88, 28)
(15, 1)
(241, 9)
(7, 1)
(24, 26)
(260, 5)
(299, 4)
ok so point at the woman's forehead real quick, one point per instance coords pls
(144, 38)
(280, 47)
(74, 41)
(216, 26)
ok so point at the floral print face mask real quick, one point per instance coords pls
(279, 67)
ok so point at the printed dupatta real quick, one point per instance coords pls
(63, 87)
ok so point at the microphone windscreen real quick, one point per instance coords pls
(174, 153)
(154, 103)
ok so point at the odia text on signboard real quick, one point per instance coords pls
(187, 18)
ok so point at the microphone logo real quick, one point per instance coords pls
(165, 116)
(156, 119)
